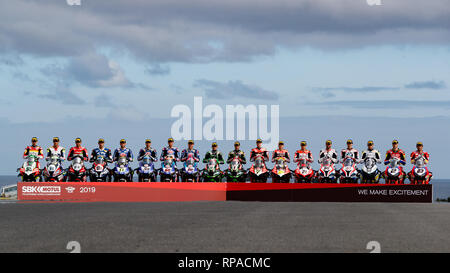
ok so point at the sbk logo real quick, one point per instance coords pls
(35, 190)
(70, 189)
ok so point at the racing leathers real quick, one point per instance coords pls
(34, 150)
(237, 153)
(214, 154)
(104, 153)
(416, 154)
(399, 153)
(188, 153)
(331, 153)
(123, 152)
(59, 152)
(78, 151)
(259, 152)
(303, 154)
(426, 157)
(170, 151)
(350, 153)
(281, 153)
(148, 152)
(366, 154)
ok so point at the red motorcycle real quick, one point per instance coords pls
(258, 172)
(281, 172)
(77, 172)
(304, 173)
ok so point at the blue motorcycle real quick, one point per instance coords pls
(168, 171)
(122, 171)
(190, 172)
(146, 171)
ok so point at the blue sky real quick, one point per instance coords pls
(117, 63)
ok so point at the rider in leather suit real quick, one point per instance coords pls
(328, 151)
(371, 153)
(123, 150)
(148, 151)
(56, 150)
(395, 152)
(190, 152)
(281, 152)
(350, 152)
(170, 150)
(214, 153)
(101, 152)
(259, 150)
(34, 149)
(417, 153)
(237, 153)
(303, 153)
(78, 150)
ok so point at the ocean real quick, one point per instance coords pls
(441, 187)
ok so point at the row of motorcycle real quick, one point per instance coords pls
(190, 172)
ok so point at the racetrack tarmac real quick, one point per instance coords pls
(224, 227)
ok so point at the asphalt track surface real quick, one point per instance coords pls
(224, 227)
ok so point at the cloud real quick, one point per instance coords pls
(64, 96)
(384, 104)
(104, 101)
(96, 70)
(11, 60)
(214, 30)
(426, 85)
(219, 90)
(92, 70)
(356, 89)
(158, 70)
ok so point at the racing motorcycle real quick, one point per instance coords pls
(348, 172)
(76, 172)
(122, 171)
(189, 172)
(281, 172)
(99, 171)
(29, 172)
(53, 172)
(168, 171)
(212, 172)
(369, 172)
(235, 171)
(258, 172)
(146, 171)
(419, 173)
(394, 173)
(304, 173)
(327, 172)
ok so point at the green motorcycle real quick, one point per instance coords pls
(235, 172)
(212, 172)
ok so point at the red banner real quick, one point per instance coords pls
(210, 191)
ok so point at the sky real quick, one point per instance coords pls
(337, 69)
